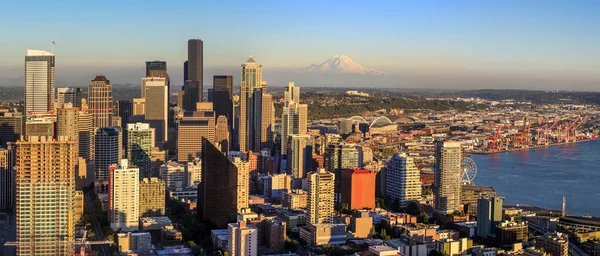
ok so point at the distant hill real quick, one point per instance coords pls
(341, 64)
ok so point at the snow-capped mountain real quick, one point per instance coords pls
(341, 64)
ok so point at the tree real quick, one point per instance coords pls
(435, 253)
(423, 217)
(396, 205)
(291, 245)
(413, 208)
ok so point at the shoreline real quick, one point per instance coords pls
(479, 152)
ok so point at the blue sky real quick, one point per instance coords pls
(497, 38)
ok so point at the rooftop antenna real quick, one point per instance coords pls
(564, 206)
(53, 44)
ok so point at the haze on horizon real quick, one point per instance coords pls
(421, 44)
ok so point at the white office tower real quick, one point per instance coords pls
(39, 82)
(124, 197)
(402, 179)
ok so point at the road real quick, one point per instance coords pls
(97, 228)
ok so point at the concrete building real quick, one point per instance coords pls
(448, 171)
(107, 151)
(222, 134)
(175, 175)
(508, 233)
(194, 170)
(471, 193)
(358, 189)
(139, 106)
(243, 181)
(276, 185)
(251, 78)
(217, 193)
(157, 107)
(39, 82)
(192, 128)
(44, 168)
(152, 197)
(158, 68)
(321, 234)
(361, 224)
(124, 197)
(243, 239)
(79, 205)
(69, 95)
(294, 199)
(403, 179)
(12, 126)
(454, 247)
(556, 244)
(140, 141)
(299, 154)
(129, 242)
(408, 246)
(489, 215)
(293, 121)
(273, 233)
(100, 101)
(320, 201)
(7, 179)
(40, 126)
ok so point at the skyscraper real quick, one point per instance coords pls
(402, 179)
(125, 111)
(293, 121)
(152, 197)
(217, 193)
(251, 78)
(12, 126)
(158, 68)
(107, 152)
(7, 176)
(191, 95)
(124, 197)
(299, 155)
(140, 141)
(446, 188)
(358, 188)
(100, 101)
(157, 108)
(243, 182)
(39, 81)
(320, 196)
(243, 239)
(192, 128)
(45, 190)
(291, 93)
(222, 134)
(223, 98)
(195, 67)
(266, 122)
(489, 215)
(139, 106)
(86, 134)
(69, 95)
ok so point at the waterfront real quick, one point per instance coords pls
(540, 177)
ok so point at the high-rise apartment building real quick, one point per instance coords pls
(338, 157)
(192, 128)
(403, 179)
(320, 196)
(100, 101)
(217, 193)
(251, 79)
(157, 107)
(448, 171)
(223, 97)
(39, 82)
(152, 197)
(299, 155)
(293, 121)
(195, 66)
(222, 134)
(243, 239)
(267, 122)
(489, 215)
(107, 152)
(7, 176)
(69, 95)
(291, 93)
(358, 189)
(12, 126)
(124, 197)
(45, 191)
(243, 182)
(140, 141)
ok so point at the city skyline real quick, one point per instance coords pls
(476, 45)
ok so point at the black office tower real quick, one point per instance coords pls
(223, 98)
(217, 192)
(190, 95)
(196, 63)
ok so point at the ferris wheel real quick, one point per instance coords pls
(469, 170)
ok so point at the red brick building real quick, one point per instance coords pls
(358, 188)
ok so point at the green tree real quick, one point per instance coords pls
(413, 208)
(291, 245)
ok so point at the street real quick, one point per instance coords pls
(99, 236)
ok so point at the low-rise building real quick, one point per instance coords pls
(129, 242)
(294, 199)
(557, 244)
(408, 246)
(219, 238)
(294, 218)
(508, 233)
(361, 224)
(454, 247)
(321, 234)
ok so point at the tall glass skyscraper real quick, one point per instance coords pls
(39, 81)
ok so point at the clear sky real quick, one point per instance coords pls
(514, 38)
